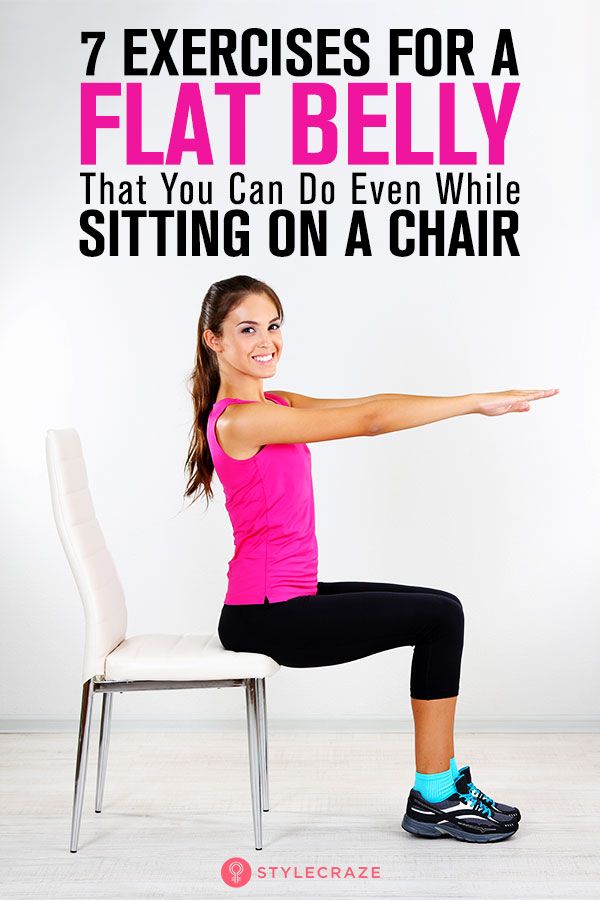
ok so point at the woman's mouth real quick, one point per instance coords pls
(265, 359)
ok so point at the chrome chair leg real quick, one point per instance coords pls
(87, 699)
(105, 723)
(254, 757)
(260, 729)
(264, 762)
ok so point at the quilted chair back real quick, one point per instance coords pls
(91, 563)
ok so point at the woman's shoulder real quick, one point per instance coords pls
(280, 395)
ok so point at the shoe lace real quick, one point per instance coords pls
(476, 803)
(479, 794)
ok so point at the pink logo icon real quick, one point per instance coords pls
(236, 871)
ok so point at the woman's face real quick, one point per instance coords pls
(252, 329)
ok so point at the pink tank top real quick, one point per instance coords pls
(269, 498)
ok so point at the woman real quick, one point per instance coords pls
(257, 443)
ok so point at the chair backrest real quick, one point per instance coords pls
(83, 542)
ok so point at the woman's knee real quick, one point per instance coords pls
(449, 612)
(452, 597)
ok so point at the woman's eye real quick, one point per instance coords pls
(250, 328)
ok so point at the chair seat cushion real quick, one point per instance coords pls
(182, 657)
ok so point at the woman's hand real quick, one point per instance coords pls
(500, 402)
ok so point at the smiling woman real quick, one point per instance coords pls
(275, 605)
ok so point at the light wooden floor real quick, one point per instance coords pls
(178, 805)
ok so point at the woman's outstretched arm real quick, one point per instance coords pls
(246, 427)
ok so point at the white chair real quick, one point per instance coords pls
(147, 662)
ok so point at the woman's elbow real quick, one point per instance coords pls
(372, 424)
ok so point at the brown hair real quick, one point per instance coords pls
(204, 380)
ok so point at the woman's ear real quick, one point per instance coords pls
(211, 340)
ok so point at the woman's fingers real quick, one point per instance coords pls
(536, 395)
(501, 402)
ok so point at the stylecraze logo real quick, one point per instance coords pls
(236, 872)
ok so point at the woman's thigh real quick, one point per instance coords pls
(336, 627)
(343, 587)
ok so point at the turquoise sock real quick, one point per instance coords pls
(435, 787)
(454, 768)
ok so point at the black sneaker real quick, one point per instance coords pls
(461, 816)
(464, 785)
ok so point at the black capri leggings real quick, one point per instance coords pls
(348, 620)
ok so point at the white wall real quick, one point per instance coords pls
(501, 511)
